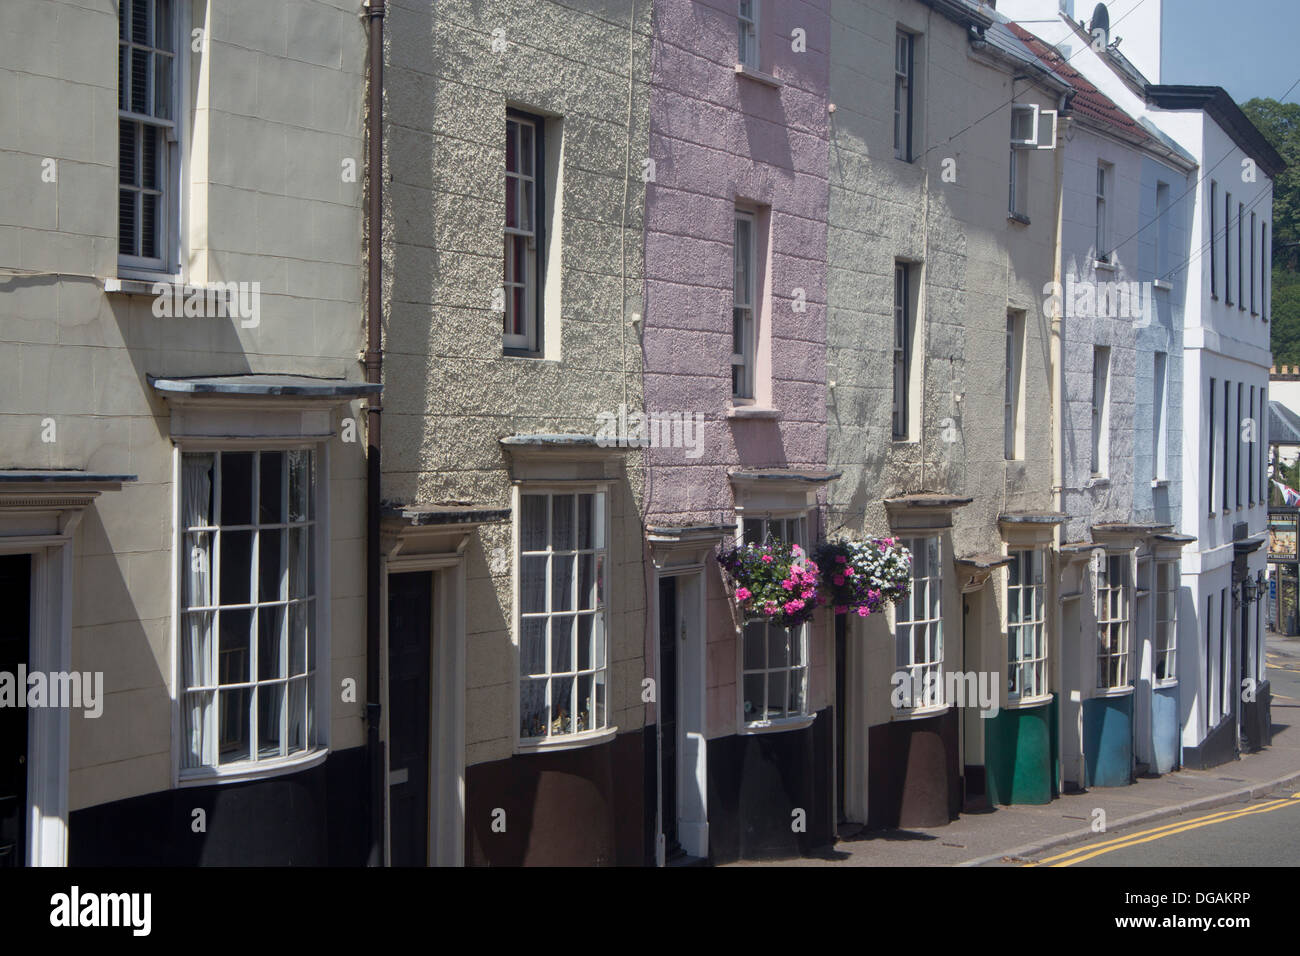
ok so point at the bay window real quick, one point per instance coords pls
(918, 624)
(1166, 621)
(1026, 627)
(774, 660)
(563, 555)
(1113, 618)
(248, 606)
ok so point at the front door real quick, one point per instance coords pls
(15, 597)
(669, 629)
(410, 633)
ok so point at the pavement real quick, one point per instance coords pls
(1015, 835)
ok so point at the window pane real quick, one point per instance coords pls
(236, 488)
(299, 618)
(587, 650)
(270, 642)
(561, 705)
(753, 697)
(532, 584)
(533, 712)
(162, 107)
(270, 718)
(532, 522)
(588, 592)
(778, 647)
(270, 566)
(527, 148)
(301, 563)
(301, 506)
(755, 641)
(562, 643)
(140, 71)
(299, 717)
(562, 582)
(778, 690)
(270, 506)
(234, 656)
(199, 649)
(236, 549)
(562, 531)
(532, 646)
(586, 703)
(233, 706)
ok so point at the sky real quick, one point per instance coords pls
(1246, 46)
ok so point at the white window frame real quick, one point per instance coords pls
(1164, 669)
(928, 589)
(1100, 411)
(1013, 385)
(789, 527)
(1114, 621)
(1160, 237)
(747, 19)
(602, 727)
(744, 308)
(530, 339)
(318, 699)
(1102, 237)
(1160, 422)
(158, 119)
(1027, 646)
(904, 329)
(904, 63)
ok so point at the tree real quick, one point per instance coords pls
(1280, 125)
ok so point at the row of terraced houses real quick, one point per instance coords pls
(366, 461)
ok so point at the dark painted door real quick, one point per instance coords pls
(668, 630)
(410, 619)
(15, 598)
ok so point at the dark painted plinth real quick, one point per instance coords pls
(313, 818)
(913, 774)
(758, 781)
(1218, 747)
(1257, 718)
(582, 807)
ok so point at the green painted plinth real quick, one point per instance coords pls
(1018, 753)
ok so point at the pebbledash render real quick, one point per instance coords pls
(735, 328)
(181, 491)
(943, 218)
(512, 548)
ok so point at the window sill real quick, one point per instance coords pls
(1026, 703)
(754, 411)
(1166, 684)
(207, 776)
(778, 725)
(1159, 482)
(1162, 284)
(588, 738)
(1101, 265)
(523, 354)
(1097, 481)
(1018, 217)
(920, 713)
(1102, 692)
(131, 285)
(758, 76)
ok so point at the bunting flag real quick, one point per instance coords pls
(1291, 496)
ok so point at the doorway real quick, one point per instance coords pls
(669, 679)
(680, 715)
(410, 681)
(15, 592)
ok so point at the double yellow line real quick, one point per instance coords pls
(1090, 850)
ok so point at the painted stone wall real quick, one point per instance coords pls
(717, 139)
(271, 112)
(452, 70)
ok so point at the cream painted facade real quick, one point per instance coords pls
(267, 125)
(946, 215)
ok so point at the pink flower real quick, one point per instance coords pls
(795, 549)
(788, 584)
(742, 594)
(862, 611)
(770, 609)
(848, 572)
(840, 559)
(767, 559)
(839, 580)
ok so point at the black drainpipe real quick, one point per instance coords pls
(374, 368)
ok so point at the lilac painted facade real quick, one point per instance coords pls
(724, 139)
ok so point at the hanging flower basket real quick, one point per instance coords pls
(776, 582)
(860, 577)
